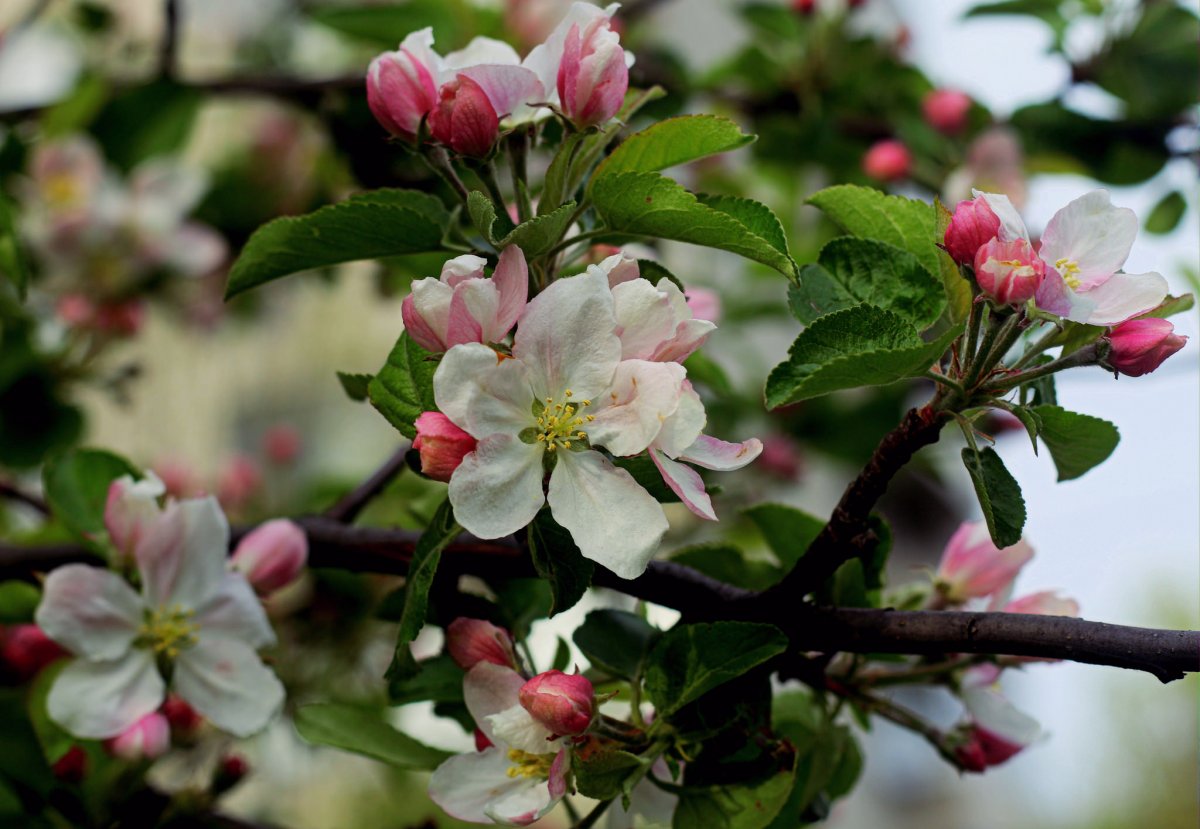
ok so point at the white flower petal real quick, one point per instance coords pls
(516, 728)
(1123, 296)
(566, 337)
(482, 391)
(686, 483)
(95, 700)
(481, 50)
(472, 308)
(225, 681)
(431, 300)
(182, 557)
(235, 612)
(497, 489)
(995, 713)
(1011, 225)
(91, 612)
(720, 455)
(611, 518)
(489, 689)
(1093, 234)
(684, 426)
(630, 414)
(522, 805)
(545, 58)
(645, 318)
(465, 785)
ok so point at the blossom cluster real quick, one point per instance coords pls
(593, 374)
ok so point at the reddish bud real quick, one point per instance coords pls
(985, 748)
(442, 445)
(887, 160)
(1141, 346)
(563, 703)
(72, 767)
(464, 118)
(805, 7)
(282, 444)
(272, 555)
(946, 110)
(182, 717)
(26, 650)
(1045, 603)
(129, 511)
(238, 481)
(146, 739)
(471, 641)
(75, 310)
(973, 225)
(481, 740)
(1009, 272)
(592, 77)
(120, 319)
(401, 89)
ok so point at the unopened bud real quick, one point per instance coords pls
(593, 76)
(887, 160)
(282, 444)
(471, 641)
(146, 739)
(272, 555)
(973, 225)
(442, 445)
(1009, 272)
(182, 717)
(946, 110)
(72, 767)
(464, 118)
(563, 703)
(1141, 346)
(131, 508)
(26, 650)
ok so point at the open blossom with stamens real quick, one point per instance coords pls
(464, 306)
(1083, 248)
(564, 392)
(521, 772)
(192, 615)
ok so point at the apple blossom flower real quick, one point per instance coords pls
(463, 306)
(563, 703)
(946, 110)
(271, 556)
(516, 779)
(1084, 246)
(402, 85)
(1009, 272)
(972, 566)
(146, 739)
(705, 304)
(564, 391)
(1140, 346)
(996, 731)
(887, 160)
(471, 641)
(130, 510)
(971, 227)
(592, 75)
(619, 267)
(192, 614)
(442, 445)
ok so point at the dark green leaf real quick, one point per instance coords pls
(1077, 442)
(727, 563)
(868, 213)
(654, 272)
(440, 680)
(999, 495)
(403, 388)
(13, 264)
(76, 485)
(129, 136)
(690, 660)
(522, 602)
(1171, 306)
(616, 641)
(607, 774)
(673, 141)
(18, 600)
(482, 211)
(554, 186)
(365, 226)
(562, 655)
(364, 731)
(557, 560)
(1166, 214)
(705, 371)
(441, 531)
(355, 385)
(860, 346)
(1028, 417)
(787, 530)
(735, 806)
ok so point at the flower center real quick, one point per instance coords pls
(168, 630)
(525, 764)
(62, 190)
(1070, 272)
(559, 424)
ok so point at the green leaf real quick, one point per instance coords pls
(482, 211)
(705, 371)
(1167, 213)
(76, 484)
(735, 806)
(648, 477)
(1028, 417)
(999, 495)
(365, 226)
(787, 530)
(860, 346)
(957, 287)
(440, 680)
(851, 271)
(403, 388)
(18, 601)
(555, 183)
(13, 264)
(726, 563)
(534, 237)
(866, 212)
(616, 641)
(129, 137)
(850, 585)
(441, 531)
(605, 775)
(690, 660)
(364, 731)
(557, 560)
(653, 272)
(671, 142)
(1171, 306)
(647, 204)
(1077, 442)
(355, 385)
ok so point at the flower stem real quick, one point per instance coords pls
(487, 174)
(1044, 342)
(518, 150)
(1089, 355)
(439, 161)
(901, 716)
(594, 815)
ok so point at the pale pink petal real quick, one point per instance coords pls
(645, 318)
(619, 268)
(481, 50)
(612, 520)
(497, 489)
(430, 317)
(418, 329)
(1123, 296)
(182, 558)
(631, 413)
(995, 713)
(511, 278)
(91, 612)
(545, 58)
(516, 728)
(1091, 233)
(224, 680)
(1011, 225)
(195, 250)
(521, 806)
(130, 510)
(465, 785)
(483, 392)
(235, 612)
(1045, 603)
(720, 455)
(689, 336)
(488, 689)
(686, 483)
(1055, 297)
(508, 88)
(558, 774)
(460, 268)
(683, 427)
(97, 700)
(474, 302)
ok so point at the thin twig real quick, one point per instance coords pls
(901, 716)
(12, 492)
(169, 48)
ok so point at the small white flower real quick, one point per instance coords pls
(193, 616)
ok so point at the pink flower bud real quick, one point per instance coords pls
(592, 77)
(564, 703)
(973, 225)
(72, 767)
(804, 6)
(464, 118)
(442, 445)
(401, 88)
(481, 740)
(272, 555)
(183, 718)
(1009, 272)
(282, 443)
(238, 482)
(471, 641)
(1045, 603)
(132, 507)
(75, 310)
(1140, 346)
(146, 739)
(887, 160)
(946, 110)
(26, 650)
(705, 304)
(972, 566)
(782, 457)
(178, 477)
(984, 748)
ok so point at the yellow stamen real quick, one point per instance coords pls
(529, 765)
(168, 630)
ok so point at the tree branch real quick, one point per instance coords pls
(348, 508)
(12, 492)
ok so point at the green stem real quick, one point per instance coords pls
(1089, 355)
(978, 309)
(945, 381)
(439, 161)
(1010, 332)
(902, 717)
(487, 174)
(920, 673)
(574, 240)
(518, 149)
(1046, 341)
(967, 429)
(593, 815)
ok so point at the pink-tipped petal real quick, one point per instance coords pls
(722, 456)
(511, 277)
(418, 329)
(686, 483)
